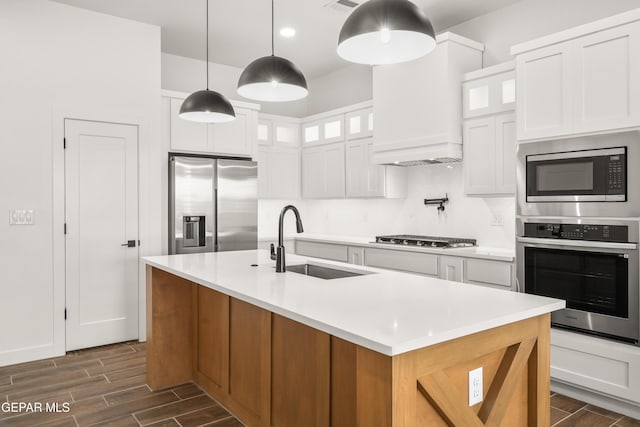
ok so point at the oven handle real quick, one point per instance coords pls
(577, 243)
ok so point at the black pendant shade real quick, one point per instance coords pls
(386, 32)
(272, 78)
(207, 106)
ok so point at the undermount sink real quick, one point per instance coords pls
(322, 272)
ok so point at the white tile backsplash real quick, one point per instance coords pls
(464, 216)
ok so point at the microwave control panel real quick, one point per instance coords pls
(594, 232)
(616, 174)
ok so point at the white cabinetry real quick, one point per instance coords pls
(359, 124)
(322, 250)
(236, 138)
(490, 154)
(413, 262)
(365, 179)
(489, 90)
(585, 80)
(603, 366)
(495, 274)
(417, 105)
(323, 173)
(279, 162)
(451, 268)
(323, 131)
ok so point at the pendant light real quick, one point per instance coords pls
(272, 78)
(386, 32)
(207, 106)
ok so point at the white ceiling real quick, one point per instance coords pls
(240, 29)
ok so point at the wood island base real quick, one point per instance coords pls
(269, 370)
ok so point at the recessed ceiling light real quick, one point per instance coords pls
(287, 32)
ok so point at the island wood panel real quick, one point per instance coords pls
(300, 374)
(170, 338)
(213, 336)
(250, 359)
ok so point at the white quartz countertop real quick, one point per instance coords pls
(388, 312)
(483, 252)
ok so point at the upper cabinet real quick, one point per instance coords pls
(236, 138)
(582, 81)
(417, 105)
(489, 131)
(279, 171)
(323, 131)
(359, 123)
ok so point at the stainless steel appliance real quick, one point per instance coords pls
(590, 176)
(426, 241)
(590, 263)
(213, 204)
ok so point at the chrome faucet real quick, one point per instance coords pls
(278, 255)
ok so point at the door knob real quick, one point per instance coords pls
(129, 244)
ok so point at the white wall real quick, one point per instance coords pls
(346, 86)
(56, 56)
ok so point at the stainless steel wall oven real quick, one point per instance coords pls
(591, 264)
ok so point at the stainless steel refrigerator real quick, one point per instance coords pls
(213, 204)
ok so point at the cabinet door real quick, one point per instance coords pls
(412, 262)
(451, 268)
(313, 172)
(492, 94)
(496, 274)
(333, 129)
(505, 148)
(479, 156)
(334, 170)
(322, 250)
(544, 92)
(263, 172)
(186, 135)
(357, 163)
(213, 336)
(233, 138)
(286, 134)
(284, 173)
(359, 124)
(264, 133)
(607, 79)
(311, 132)
(300, 375)
(356, 255)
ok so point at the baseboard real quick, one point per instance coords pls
(620, 406)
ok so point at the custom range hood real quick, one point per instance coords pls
(417, 105)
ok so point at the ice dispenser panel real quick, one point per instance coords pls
(193, 231)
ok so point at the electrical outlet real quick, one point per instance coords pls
(497, 220)
(475, 386)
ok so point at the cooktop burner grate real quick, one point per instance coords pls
(426, 241)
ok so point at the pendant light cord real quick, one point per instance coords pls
(207, 43)
(272, 28)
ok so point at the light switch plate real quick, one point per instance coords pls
(475, 386)
(21, 217)
(497, 220)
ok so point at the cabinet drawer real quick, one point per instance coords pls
(400, 260)
(483, 272)
(322, 250)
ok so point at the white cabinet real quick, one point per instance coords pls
(412, 262)
(278, 173)
(323, 131)
(489, 90)
(359, 123)
(235, 138)
(365, 179)
(490, 153)
(322, 250)
(323, 171)
(355, 255)
(595, 364)
(495, 274)
(279, 164)
(451, 268)
(582, 81)
(417, 105)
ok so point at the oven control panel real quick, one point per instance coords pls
(595, 232)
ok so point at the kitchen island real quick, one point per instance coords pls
(379, 349)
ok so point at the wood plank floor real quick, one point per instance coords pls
(105, 386)
(102, 386)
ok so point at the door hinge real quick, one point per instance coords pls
(65, 314)
(65, 228)
(64, 143)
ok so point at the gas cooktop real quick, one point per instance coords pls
(426, 241)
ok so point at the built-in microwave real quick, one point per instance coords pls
(589, 176)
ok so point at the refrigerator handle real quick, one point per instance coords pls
(216, 245)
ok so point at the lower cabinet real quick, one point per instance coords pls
(596, 364)
(322, 250)
(495, 274)
(413, 262)
(451, 268)
(300, 373)
(213, 336)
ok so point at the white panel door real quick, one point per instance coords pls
(357, 163)
(101, 215)
(334, 170)
(505, 146)
(479, 156)
(233, 138)
(543, 86)
(607, 79)
(313, 172)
